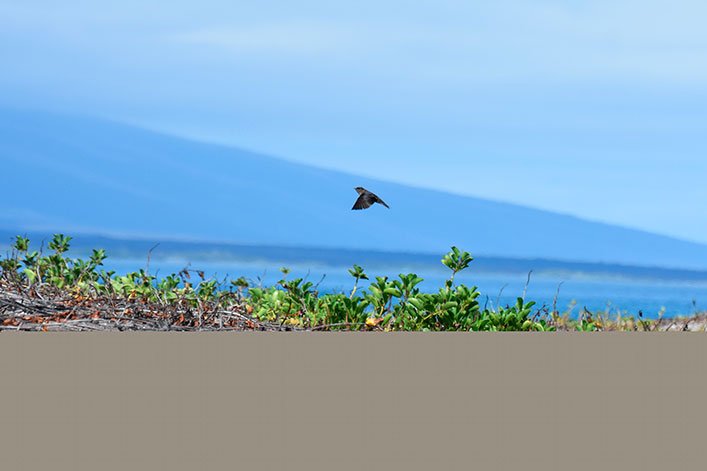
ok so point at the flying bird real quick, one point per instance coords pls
(366, 199)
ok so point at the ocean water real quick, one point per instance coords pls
(616, 296)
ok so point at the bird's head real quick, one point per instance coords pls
(360, 189)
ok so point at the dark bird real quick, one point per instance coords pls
(366, 199)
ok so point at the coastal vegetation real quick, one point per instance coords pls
(49, 290)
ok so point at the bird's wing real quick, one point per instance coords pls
(378, 200)
(364, 201)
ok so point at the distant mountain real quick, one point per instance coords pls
(92, 176)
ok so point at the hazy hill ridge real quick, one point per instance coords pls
(89, 175)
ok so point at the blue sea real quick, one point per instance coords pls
(613, 295)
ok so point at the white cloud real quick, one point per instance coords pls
(512, 42)
(298, 37)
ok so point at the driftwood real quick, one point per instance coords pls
(45, 308)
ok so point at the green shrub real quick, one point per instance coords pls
(385, 304)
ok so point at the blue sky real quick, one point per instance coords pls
(596, 109)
